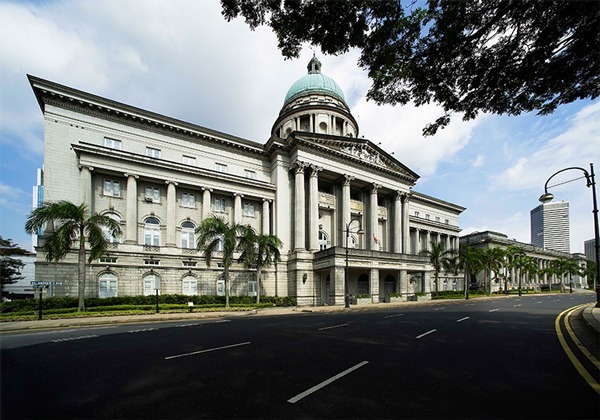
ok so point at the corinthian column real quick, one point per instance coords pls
(405, 224)
(398, 237)
(132, 209)
(345, 210)
(171, 212)
(313, 208)
(299, 207)
(373, 217)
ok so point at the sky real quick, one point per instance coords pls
(180, 58)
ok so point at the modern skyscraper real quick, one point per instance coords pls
(589, 249)
(550, 226)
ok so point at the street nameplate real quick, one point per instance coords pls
(45, 283)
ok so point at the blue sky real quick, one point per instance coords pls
(182, 59)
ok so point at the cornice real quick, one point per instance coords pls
(432, 201)
(82, 149)
(50, 93)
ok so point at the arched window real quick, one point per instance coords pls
(187, 235)
(151, 283)
(152, 231)
(190, 286)
(107, 286)
(323, 240)
(110, 238)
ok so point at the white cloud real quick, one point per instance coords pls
(9, 195)
(479, 161)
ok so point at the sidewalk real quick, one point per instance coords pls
(590, 314)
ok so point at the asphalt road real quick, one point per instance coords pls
(476, 359)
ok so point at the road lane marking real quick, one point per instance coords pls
(325, 383)
(393, 316)
(81, 337)
(582, 371)
(207, 350)
(427, 333)
(333, 326)
(142, 330)
(515, 306)
(494, 310)
(576, 340)
(437, 309)
(462, 319)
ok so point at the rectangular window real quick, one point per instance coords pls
(112, 143)
(152, 152)
(152, 262)
(249, 174)
(112, 188)
(220, 204)
(108, 260)
(153, 194)
(248, 209)
(427, 216)
(416, 213)
(437, 218)
(221, 167)
(188, 200)
(188, 160)
(189, 263)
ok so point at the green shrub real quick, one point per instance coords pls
(447, 294)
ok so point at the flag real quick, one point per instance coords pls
(375, 238)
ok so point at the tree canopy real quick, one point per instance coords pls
(494, 56)
(10, 267)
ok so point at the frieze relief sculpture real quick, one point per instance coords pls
(363, 154)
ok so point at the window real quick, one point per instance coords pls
(187, 235)
(437, 218)
(249, 174)
(112, 188)
(151, 283)
(416, 214)
(188, 200)
(220, 204)
(151, 261)
(363, 285)
(152, 152)
(221, 167)
(248, 209)
(427, 217)
(190, 286)
(152, 231)
(323, 240)
(189, 263)
(220, 286)
(188, 160)
(107, 286)
(252, 286)
(112, 143)
(108, 260)
(447, 221)
(110, 238)
(152, 194)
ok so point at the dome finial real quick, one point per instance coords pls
(314, 66)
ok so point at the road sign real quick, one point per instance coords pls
(45, 283)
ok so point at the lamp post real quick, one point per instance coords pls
(359, 232)
(590, 182)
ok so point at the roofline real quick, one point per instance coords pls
(41, 86)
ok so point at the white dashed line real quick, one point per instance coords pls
(81, 337)
(333, 326)
(424, 334)
(393, 316)
(207, 350)
(462, 319)
(142, 330)
(325, 383)
(494, 310)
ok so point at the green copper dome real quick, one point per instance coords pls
(315, 82)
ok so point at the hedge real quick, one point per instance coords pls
(120, 301)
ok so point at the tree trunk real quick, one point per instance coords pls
(81, 271)
(226, 279)
(258, 275)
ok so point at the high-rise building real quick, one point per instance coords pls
(37, 201)
(589, 249)
(550, 226)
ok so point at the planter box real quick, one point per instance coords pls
(397, 299)
(363, 301)
(415, 298)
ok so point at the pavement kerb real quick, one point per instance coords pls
(590, 314)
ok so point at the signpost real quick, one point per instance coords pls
(40, 286)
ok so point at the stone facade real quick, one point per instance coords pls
(314, 184)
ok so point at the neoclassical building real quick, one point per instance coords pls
(314, 183)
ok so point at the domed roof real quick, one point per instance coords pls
(314, 82)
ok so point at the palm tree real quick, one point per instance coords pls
(471, 260)
(492, 259)
(217, 235)
(260, 251)
(438, 257)
(564, 266)
(72, 222)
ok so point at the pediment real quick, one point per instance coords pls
(361, 150)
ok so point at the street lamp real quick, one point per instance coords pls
(589, 177)
(359, 232)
